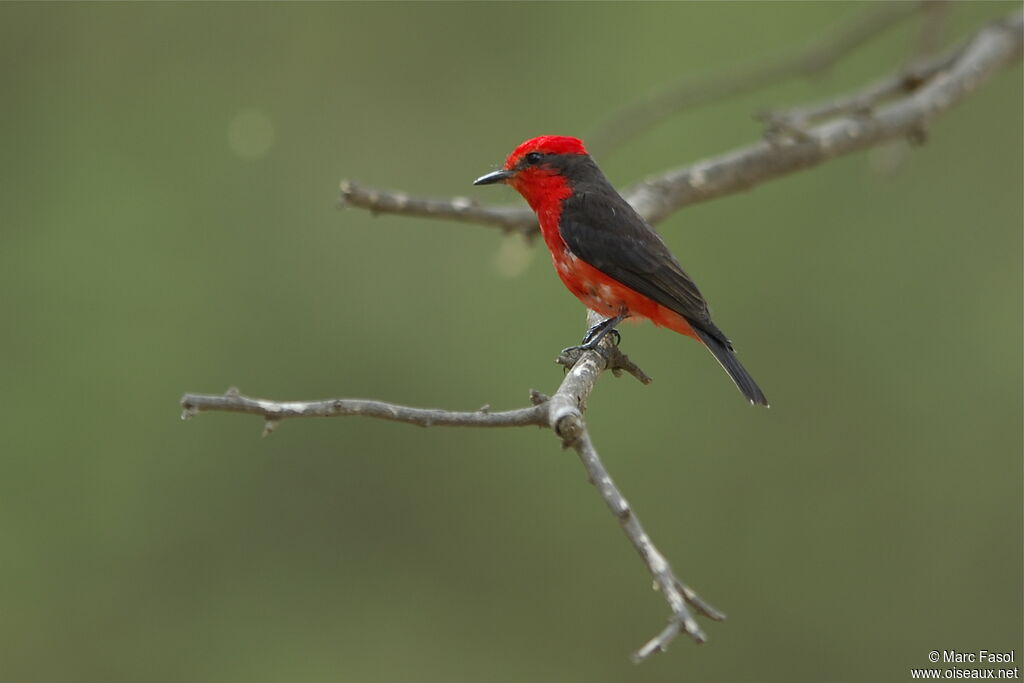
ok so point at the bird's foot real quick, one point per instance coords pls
(592, 339)
(596, 333)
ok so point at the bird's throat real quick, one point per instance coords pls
(542, 189)
(545, 191)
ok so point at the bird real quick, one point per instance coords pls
(606, 254)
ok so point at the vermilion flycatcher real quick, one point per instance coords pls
(606, 254)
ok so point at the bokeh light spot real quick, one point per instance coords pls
(251, 134)
(513, 257)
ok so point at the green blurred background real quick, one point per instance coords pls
(169, 178)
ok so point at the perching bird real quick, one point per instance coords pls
(606, 253)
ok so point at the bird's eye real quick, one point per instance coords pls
(534, 157)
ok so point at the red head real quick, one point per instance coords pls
(545, 144)
(544, 169)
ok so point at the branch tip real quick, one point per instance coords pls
(620, 362)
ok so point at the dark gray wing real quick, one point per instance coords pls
(603, 229)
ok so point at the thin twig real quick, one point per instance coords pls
(508, 218)
(641, 115)
(861, 103)
(676, 593)
(927, 93)
(275, 411)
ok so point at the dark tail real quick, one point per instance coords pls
(728, 360)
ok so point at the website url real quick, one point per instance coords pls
(965, 673)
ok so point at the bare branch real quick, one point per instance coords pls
(566, 419)
(565, 408)
(795, 121)
(639, 116)
(615, 360)
(275, 411)
(927, 90)
(992, 48)
(562, 412)
(675, 592)
(508, 218)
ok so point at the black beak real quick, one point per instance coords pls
(496, 177)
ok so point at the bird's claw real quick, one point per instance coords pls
(593, 338)
(569, 351)
(574, 352)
